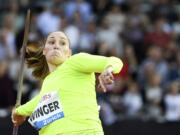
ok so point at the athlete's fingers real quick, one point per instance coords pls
(102, 84)
(108, 82)
(107, 78)
(12, 115)
(111, 75)
(107, 73)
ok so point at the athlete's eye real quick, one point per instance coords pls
(51, 42)
(63, 43)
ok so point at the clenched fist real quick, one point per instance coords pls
(17, 119)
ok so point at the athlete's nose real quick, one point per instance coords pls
(56, 46)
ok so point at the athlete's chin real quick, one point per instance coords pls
(57, 61)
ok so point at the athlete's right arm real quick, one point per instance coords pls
(27, 108)
(19, 114)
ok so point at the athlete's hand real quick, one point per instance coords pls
(105, 78)
(17, 119)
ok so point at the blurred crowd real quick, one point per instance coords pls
(145, 34)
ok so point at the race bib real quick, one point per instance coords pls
(48, 110)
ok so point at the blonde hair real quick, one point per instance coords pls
(36, 60)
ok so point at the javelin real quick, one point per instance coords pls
(21, 71)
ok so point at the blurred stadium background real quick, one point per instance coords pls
(145, 34)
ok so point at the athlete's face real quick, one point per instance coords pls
(57, 48)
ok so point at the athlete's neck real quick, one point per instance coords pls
(52, 67)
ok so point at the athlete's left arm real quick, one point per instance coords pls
(88, 63)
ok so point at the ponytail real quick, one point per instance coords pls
(37, 61)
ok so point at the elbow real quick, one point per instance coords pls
(117, 65)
